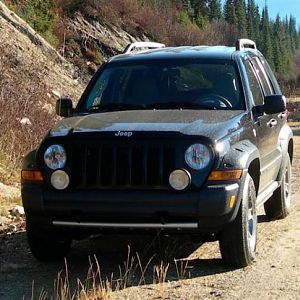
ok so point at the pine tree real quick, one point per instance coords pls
(257, 19)
(293, 33)
(241, 22)
(252, 26)
(278, 50)
(266, 48)
(229, 12)
(200, 12)
(215, 10)
(288, 45)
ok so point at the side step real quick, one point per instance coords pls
(266, 194)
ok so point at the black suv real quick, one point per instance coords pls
(185, 139)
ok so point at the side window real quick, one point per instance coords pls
(261, 73)
(254, 84)
(270, 75)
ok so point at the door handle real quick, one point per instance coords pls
(272, 123)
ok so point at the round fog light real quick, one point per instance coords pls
(60, 180)
(179, 179)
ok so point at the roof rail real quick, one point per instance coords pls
(143, 46)
(244, 43)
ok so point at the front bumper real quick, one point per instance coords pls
(205, 210)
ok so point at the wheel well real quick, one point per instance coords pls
(254, 172)
(291, 149)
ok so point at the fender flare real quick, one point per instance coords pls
(245, 156)
(29, 162)
(240, 156)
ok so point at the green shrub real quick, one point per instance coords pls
(40, 16)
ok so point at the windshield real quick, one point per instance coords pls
(165, 85)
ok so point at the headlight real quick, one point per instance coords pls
(55, 157)
(197, 156)
(60, 180)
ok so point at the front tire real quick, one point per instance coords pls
(46, 245)
(279, 205)
(238, 240)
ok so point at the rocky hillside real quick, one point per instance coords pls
(97, 41)
(26, 54)
(31, 72)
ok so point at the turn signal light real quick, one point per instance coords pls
(32, 176)
(232, 201)
(225, 175)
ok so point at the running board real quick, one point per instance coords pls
(127, 225)
(266, 194)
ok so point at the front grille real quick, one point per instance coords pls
(123, 165)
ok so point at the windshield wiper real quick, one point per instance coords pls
(115, 107)
(178, 105)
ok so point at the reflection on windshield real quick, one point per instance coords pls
(166, 85)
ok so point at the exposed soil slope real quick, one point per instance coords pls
(31, 51)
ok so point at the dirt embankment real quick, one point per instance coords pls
(30, 70)
(200, 275)
(31, 51)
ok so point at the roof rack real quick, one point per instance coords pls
(134, 47)
(245, 43)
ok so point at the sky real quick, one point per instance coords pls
(283, 7)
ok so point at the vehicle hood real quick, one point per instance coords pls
(213, 124)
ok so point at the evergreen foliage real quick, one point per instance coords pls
(266, 42)
(40, 16)
(240, 11)
(230, 12)
(184, 22)
(215, 10)
(278, 40)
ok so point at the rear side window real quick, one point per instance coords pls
(257, 94)
(261, 73)
(271, 76)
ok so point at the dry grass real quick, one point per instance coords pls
(8, 203)
(136, 270)
(25, 116)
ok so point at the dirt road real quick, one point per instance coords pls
(274, 275)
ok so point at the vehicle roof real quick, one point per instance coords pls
(183, 52)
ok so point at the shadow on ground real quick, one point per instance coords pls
(123, 260)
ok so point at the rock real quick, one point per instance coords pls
(12, 227)
(25, 121)
(47, 107)
(4, 221)
(17, 211)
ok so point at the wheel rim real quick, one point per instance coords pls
(287, 188)
(252, 225)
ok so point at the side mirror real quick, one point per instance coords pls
(64, 107)
(274, 104)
